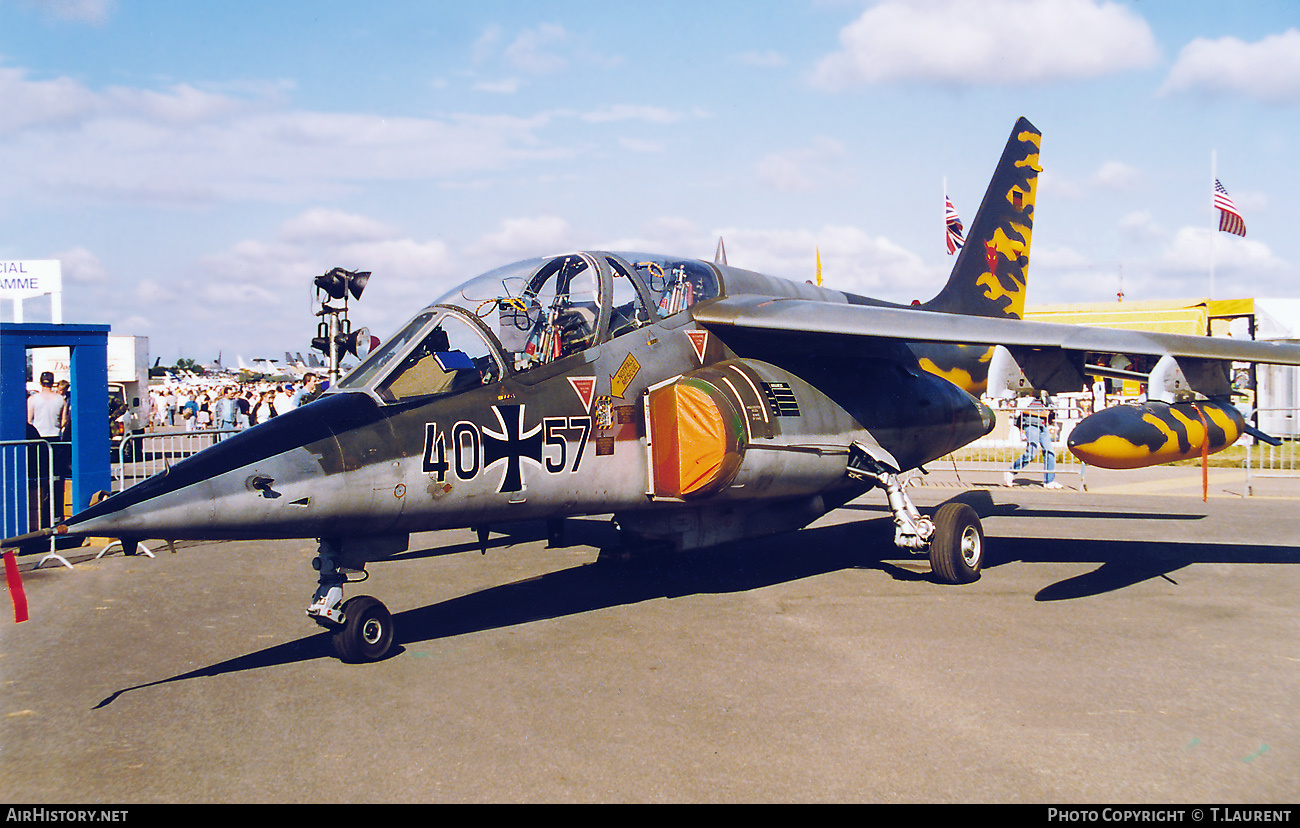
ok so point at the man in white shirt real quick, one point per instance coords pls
(47, 410)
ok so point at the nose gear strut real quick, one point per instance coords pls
(326, 605)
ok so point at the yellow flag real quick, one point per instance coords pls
(819, 267)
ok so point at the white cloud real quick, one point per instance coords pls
(539, 51)
(1110, 177)
(547, 49)
(767, 60)
(322, 226)
(852, 260)
(92, 12)
(406, 273)
(979, 42)
(1190, 252)
(259, 293)
(1050, 257)
(519, 238)
(487, 44)
(674, 235)
(803, 170)
(1267, 70)
(29, 103)
(79, 266)
(319, 239)
(1139, 226)
(632, 112)
(185, 146)
(65, 103)
(504, 86)
(640, 145)
(1114, 175)
(1162, 264)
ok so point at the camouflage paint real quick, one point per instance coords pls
(991, 274)
(1136, 436)
(965, 366)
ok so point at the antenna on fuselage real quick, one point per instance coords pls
(720, 257)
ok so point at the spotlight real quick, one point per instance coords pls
(357, 343)
(339, 282)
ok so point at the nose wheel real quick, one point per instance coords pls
(366, 633)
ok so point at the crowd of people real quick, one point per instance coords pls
(232, 405)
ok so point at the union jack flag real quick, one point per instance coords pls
(1230, 221)
(953, 222)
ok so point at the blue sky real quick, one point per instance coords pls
(195, 165)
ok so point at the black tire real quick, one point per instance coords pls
(957, 548)
(367, 631)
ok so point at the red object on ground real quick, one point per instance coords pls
(15, 582)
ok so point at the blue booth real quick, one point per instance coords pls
(88, 347)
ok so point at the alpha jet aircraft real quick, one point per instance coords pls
(698, 403)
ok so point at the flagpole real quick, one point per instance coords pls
(1214, 227)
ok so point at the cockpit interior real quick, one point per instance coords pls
(528, 314)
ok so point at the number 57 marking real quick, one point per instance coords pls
(556, 430)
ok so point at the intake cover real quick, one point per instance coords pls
(697, 438)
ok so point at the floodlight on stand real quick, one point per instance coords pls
(321, 341)
(339, 282)
(359, 343)
(357, 283)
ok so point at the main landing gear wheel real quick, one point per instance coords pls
(367, 631)
(957, 547)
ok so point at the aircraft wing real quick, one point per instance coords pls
(838, 320)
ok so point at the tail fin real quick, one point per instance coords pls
(992, 270)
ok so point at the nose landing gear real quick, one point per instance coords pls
(361, 627)
(366, 633)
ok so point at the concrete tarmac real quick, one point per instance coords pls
(1134, 645)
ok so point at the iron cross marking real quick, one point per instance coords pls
(511, 444)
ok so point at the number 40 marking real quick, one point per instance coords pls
(466, 442)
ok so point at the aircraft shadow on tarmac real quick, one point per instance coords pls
(862, 544)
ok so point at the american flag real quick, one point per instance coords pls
(1230, 221)
(953, 222)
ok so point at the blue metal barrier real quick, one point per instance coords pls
(27, 487)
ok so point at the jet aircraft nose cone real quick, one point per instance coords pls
(182, 501)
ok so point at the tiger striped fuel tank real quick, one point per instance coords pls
(1136, 436)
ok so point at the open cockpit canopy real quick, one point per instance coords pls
(515, 318)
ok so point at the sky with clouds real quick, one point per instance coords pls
(195, 165)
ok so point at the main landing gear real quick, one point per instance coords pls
(954, 538)
(361, 627)
(957, 548)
